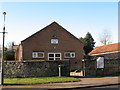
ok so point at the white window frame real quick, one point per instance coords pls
(37, 54)
(54, 41)
(54, 56)
(70, 54)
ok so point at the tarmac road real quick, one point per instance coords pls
(109, 87)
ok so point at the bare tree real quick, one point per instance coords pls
(105, 37)
(9, 45)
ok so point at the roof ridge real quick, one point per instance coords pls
(48, 26)
(109, 44)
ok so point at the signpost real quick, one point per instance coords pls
(2, 61)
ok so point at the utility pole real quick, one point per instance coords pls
(3, 55)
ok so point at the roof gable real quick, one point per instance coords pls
(106, 48)
(52, 24)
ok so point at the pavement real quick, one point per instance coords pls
(85, 82)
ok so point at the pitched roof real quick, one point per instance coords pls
(53, 23)
(106, 48)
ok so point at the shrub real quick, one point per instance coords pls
(10, 55)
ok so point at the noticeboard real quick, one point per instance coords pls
(100, 62)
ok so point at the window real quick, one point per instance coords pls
(69, 54)
(54, 41)
(38, 55)
(34, 54)
(54, 56)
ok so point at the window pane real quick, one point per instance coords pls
(34, 54)
(57, 58)
(54, 41)
(67, 54)
(51, 55)
(40, 55)
(51, 58)
(72, 54)
(57, 55)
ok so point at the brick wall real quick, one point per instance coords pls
(41, 42)
(112, 67)
(35, 68)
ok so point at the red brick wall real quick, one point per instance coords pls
(41, 41)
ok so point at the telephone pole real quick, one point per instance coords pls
(3, 54)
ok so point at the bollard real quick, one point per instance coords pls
(59, 68)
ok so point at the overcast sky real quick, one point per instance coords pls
(25, 18)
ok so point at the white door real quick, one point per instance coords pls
(54, 56)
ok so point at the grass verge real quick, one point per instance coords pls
(39, 80)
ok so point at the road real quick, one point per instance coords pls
(109, 87)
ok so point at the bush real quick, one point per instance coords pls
(10, 55)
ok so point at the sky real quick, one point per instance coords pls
(26, 18)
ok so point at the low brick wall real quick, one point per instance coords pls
(111, 67)
(35, 68)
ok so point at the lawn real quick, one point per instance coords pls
(39, 80)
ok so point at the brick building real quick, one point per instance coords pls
(110, 51)
(52, 43)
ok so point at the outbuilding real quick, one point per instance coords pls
(110, 51)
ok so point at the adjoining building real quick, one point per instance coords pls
(52, 43)
(110, 51)
(14, 47)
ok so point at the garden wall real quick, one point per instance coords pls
(111, 67)
(35, 68)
